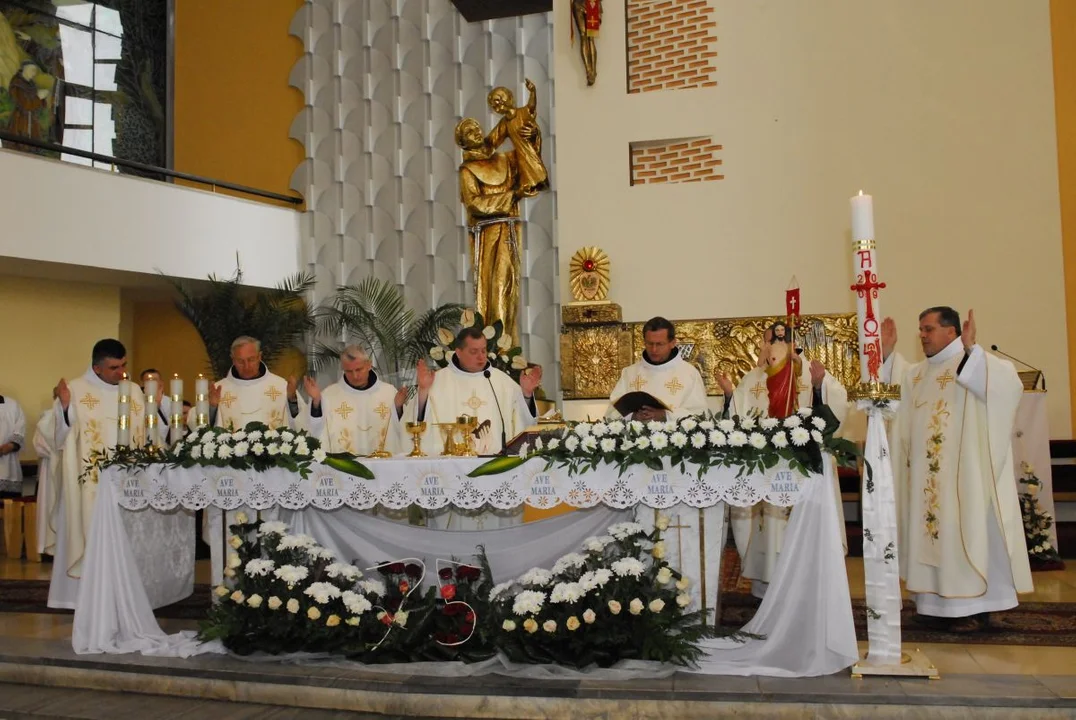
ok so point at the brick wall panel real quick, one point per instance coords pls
(671, 45)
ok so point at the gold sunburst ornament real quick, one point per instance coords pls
(589, 275)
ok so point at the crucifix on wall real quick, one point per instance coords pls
(587, 19)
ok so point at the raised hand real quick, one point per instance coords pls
(312, 390)
(529, 85)
(400, 400)
(62, 393)
(818, 373)
(529, 380)
(889, 337)
(968, 333)
(293, 386)
(214, 395)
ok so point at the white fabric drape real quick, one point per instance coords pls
(1031, 444)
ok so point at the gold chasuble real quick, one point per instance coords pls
(961, 535)
(759, 530)
(90, 425)
(358, 421)
(675, 382)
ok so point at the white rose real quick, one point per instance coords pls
(234, 561)
(550, 626)
(275, 603)
(589, 617)
(508, 625)
(683, 583)
(662, 523)
(659, 550)
(636, 426)
(626, 445)
(635, 607)
(238, 597)
(657, 605)
(239, 435)
(664, 575)
(707, 425)
(401, 618)
(220, 591)
(590, 443)
(302, 449)
(241, 518)
(255, 601)
(683, 600)
(293, 606)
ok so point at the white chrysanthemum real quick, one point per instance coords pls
(793, 421)
(291, 574)
(626, 445)
(224, 438)
(271, 434)
(768, 423)
(757, 440)
(499, 589)
(319, 455)
(818, 423)
(659, 441)
(372, 586)
(636, 426)
(779, 440)
(726, 425)
(624, 530)
(239, 435)
(600, 429)
(285, 448)
(805, 412)
(209, 450)
(597, 544)
(707, 425)
(241, 449)
(688, 424)
(536, 576)
(567, 562)
(800, 436)
(616, 427)
(273, 527)
(590, 443)
(642, 442)
(287, 436)
(595, 579)
(655, 426)
(553, 444)
(322, 592)
(289, 542)
(254, 436)
(343, 570)
(224, 452)
(738, 438)
(302, 449)
(321, 553)
(528, 602)
(196, 452)
(628, 566)
(717, 438)
(816, 436)
(524, 449)
(583, 429)
(670, 426)
(608, 445)
(571, 444)
(258, 449)
(748, 422)
(259, 567)
(355, 603)
(566, 592)
(678, 439)
(273, 449)
(698, 440)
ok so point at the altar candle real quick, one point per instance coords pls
(152, 401)
(866, 287)
(123, 413)
(862, 217)
(201, 400)
(176, 421)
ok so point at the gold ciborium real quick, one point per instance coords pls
(416, 429)
(466, 425)
(448, 434)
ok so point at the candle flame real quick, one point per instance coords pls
(861, 192)
(175, 376)
(200, 375)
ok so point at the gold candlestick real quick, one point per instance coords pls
(381, 453)
(416, 430)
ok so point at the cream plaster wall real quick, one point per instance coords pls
(943, 111)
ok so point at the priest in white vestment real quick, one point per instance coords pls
(759, 530)
(960, 532)
(12, 438)
(248, 393)
(48, 481)
(86, 411)
(663, 374)
(470, 386)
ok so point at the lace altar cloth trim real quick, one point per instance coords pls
(435, 483)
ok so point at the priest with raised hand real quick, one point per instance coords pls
(86, 420)
(470, 386)
(960, 532)
(661, 373)
(361, 413)
(777, 387)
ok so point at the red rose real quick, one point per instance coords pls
(448, 591)
(395, 568)
(404, 587)
(413, 570)
(468, 572)
(387, 618)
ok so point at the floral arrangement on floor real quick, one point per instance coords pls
(502, 353)
(616, 600)
(254, 447)
(750, 443)
(1037, 523)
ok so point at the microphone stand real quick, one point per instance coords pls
(504, 436)
(1027, 365)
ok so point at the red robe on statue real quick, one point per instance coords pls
(593, 10)
(781, 386)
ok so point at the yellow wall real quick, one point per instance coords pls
(50, 327)
(1063, 26)
(233, 103)
(943, 111)
(163, 339)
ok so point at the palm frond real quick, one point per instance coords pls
(423, 331)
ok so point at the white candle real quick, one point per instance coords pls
(862, 217)
(201, 400)
(123, 414)
(176, 421)
(152, 402)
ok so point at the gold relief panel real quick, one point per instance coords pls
(592, 358)
(590, 313)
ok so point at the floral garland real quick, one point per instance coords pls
(1037, 522)
(750, 443)
(618, 599)
(503, 355)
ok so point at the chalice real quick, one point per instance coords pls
(416, 429)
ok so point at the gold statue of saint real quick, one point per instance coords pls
(587, 15)
(491, 185)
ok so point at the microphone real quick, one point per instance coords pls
(504, 436)
(1040, 372)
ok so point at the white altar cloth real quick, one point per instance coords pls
(807, 618)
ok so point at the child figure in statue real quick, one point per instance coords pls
(520, 125)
